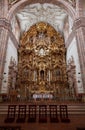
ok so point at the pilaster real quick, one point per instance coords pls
(3, 8)
(79, 8)
(79, 27)
(5, 32)
(3, 47)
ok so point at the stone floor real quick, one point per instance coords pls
(77, 121)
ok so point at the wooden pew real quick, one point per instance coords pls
(64, 114)
(21, 114)
(42, 113)
(11, 114)
(53, 113)
(32, 113)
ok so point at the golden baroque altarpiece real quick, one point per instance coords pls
(42, 64)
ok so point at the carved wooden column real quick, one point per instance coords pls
(79, 27)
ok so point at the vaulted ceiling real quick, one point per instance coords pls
(48, 13)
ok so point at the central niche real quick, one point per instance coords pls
(42, 52)
(42, 65)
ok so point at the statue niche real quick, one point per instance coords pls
(42, 74)
(42, 65)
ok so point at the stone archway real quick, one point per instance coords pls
(64, 4)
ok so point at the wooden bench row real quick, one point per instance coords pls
(32, 113)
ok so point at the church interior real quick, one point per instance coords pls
(42, 64)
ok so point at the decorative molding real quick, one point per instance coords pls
(5, 23)
(79, 22)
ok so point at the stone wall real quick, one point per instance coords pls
(11, 53)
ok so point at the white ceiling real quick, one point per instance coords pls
(34, 13)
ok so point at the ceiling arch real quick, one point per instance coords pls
(21, 4)
(35, 13)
